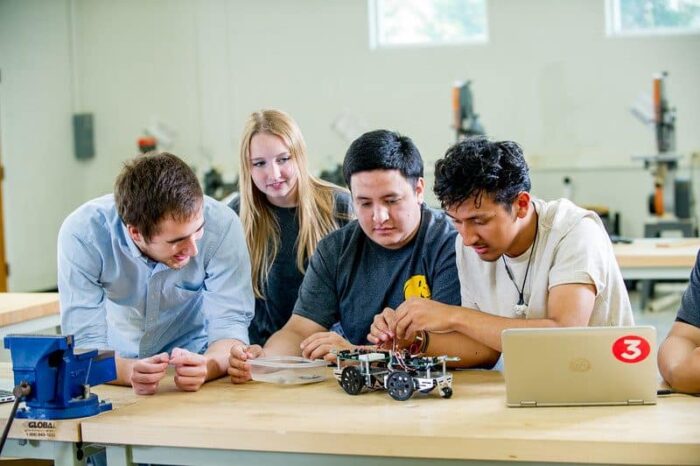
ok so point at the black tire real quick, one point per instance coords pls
(446, 392)
(351, 380)
(400, 385)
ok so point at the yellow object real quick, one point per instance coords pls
(416, 287)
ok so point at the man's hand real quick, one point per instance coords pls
(190, 369)
(147, 373)
(238, 369)
(381, 332)
(417, 314)
(320, 344)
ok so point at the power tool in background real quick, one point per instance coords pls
(464, 121)
(671, 204)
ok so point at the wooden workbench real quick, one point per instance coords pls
(58, 440)
(260, 423)
(656, 259)
(67, 430)
(27, 312)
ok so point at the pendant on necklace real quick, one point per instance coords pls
(520, 310)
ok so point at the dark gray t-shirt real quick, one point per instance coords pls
(690, 305)
(283, 282)
(350, 278)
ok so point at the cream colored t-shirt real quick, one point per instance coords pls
(572, 246)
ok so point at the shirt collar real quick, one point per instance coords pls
(133, 249)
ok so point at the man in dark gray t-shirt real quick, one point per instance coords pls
(351, 278)
(396, 249)
(679, 354)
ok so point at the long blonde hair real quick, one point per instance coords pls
(315, 199)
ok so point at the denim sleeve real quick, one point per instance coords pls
(81, 295)
(228, 301)
(690, 304)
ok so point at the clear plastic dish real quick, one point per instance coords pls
(288, 370)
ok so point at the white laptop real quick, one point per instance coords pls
(580, 366)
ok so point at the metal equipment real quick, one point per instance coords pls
(57, 377)
(147, 144)
(465, 122)
(671, 203)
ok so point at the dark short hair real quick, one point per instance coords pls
(153, 187)
(383, 150)
(475, 166)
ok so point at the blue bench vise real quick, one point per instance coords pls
(59, 376)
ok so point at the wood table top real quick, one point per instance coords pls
(662, 252)
(66, 430)
(20, 307)
(474, 424)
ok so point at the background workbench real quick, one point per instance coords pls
(657, 259)
(660, 259)
(28, 312)
(259, 423)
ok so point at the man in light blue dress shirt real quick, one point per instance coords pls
(159, 273)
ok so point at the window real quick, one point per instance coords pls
(426, 22)
(651, 17)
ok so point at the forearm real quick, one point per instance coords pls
(471, 353)
(486, 328)
(285, 342)
(217, 357)
(124, 370)
(679, 364)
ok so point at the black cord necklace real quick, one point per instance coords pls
(521, 307)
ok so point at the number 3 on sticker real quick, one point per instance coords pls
(631, 349)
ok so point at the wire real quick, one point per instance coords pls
(20, 391)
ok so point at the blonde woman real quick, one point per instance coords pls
(285, 212)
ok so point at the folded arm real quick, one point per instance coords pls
(679, 358)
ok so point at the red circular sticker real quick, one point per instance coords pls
(631, 349)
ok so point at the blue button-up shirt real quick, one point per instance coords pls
(112, 296)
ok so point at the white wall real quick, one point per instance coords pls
(548, 78)
(43, 180)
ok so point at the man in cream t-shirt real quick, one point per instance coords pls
(571, 247)
(522, 262)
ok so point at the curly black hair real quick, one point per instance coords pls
(475, 166)
(383, 150)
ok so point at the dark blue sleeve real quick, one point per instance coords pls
(445, 286)
(690, 304)
(318, 294)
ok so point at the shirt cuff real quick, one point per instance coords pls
(240, 334)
